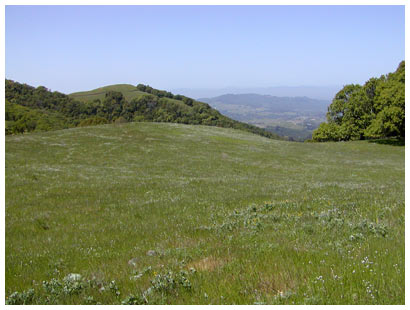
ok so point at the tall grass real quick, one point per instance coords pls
(177, 214)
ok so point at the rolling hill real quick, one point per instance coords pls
(162, 213)
(129, 91)
(25, 107)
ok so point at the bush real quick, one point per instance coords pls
(133, 300)
(23, 298)
(327, 132)
(120, 120)
(93, 121)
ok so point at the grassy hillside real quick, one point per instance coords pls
(178, 214)
(129, 91)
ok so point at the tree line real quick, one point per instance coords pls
(373, 110)
(37, 109)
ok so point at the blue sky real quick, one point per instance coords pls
(74, 48)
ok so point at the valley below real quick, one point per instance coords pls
(294, 118)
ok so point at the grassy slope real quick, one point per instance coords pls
(129, 91)
(87, 200)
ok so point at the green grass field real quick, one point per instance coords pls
(178, 214)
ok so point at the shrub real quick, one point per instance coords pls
(133, 300)
(93, 121)
(120, 120)
(21, 298)
(327, 132)
(170, 281)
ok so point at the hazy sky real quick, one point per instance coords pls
(74, 48)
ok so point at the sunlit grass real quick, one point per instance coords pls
(244, 218)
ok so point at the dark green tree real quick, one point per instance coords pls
(375, 109)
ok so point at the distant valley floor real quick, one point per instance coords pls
(292, 117)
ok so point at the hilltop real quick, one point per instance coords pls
(161, 213)
(129, 92)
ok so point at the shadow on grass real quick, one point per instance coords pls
(391, 141)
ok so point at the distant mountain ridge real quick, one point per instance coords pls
(295, 117)
(315, 92)
(273, 103)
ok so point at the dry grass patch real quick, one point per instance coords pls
(276, 284)
(207, 264)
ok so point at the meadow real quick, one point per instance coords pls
(156, 213)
